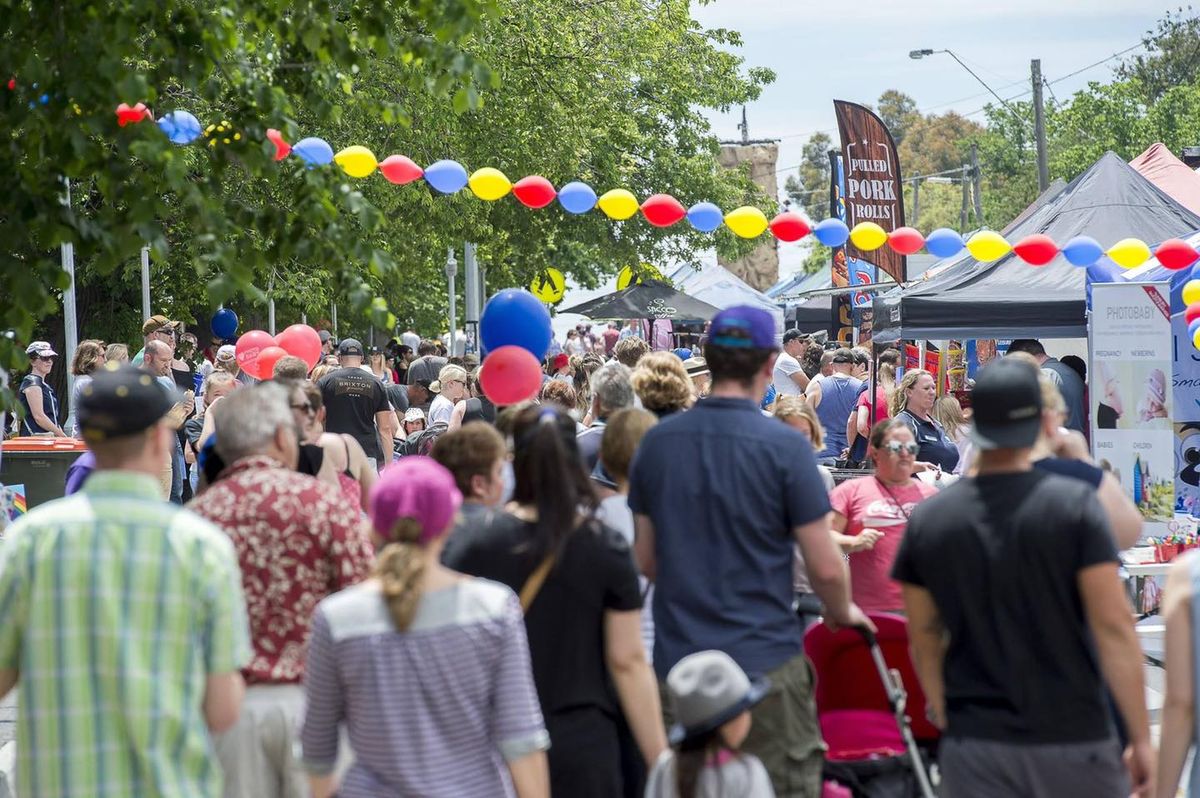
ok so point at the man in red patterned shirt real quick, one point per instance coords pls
(297, 542)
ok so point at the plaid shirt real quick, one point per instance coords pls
(114, 608)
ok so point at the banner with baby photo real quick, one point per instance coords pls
(1131, 397)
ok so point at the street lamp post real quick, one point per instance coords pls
(451, 273)
(1039, 129)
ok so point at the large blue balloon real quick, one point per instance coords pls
(224, 323)
(1082, 251)
(515, 317)
(944, 243)
(576, 197)
(832, 232)
(446, 176)
(314, 151)
(181, 127)
(705, 217)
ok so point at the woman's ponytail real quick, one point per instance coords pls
(400, 568)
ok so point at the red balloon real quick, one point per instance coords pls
(400, 170)
(131, 116)
(282, 148)
(1192, 313)
(1036, 250)
(1176, 254)
(249, 346)
(663, 210)
(510, 375)
(789, 226)
(302, 341)
(906, 240)
(267, 358)
(534, 191)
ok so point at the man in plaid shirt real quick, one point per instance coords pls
(122, 619)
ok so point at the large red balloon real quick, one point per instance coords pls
(789, 226)
(534, 191)
(303, 342)
(1192, 313)
(1175, 254)
(663, 210)
(1036, 250)
(265, 364)
(400, 170)
(510, 375)
(906, 240)
(249, 346)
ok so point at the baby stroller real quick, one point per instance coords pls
(865, 681)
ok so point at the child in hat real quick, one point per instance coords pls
(711, 698)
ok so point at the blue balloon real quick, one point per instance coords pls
(314, 151)
(576, 197)
(1082, 251)
(705, 217)
(1196, 272)
(944, 243)
(224, 323)
(832, 232)
(683, 353)
(446, 176)
(180, 127)
(515, 317)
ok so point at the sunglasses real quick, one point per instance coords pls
(895, 447)
(306, 408)
(47, 358)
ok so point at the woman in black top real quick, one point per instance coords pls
(912, 403)
(589, 663)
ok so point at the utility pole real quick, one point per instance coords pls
(976, 183)
(916, 214)
(474, 295)
(451, 272)
(966, 197)
(145, 283)
(1039, 125)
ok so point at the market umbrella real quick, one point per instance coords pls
(648, 300)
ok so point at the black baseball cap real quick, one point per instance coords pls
(325, 336)
(350, 347)
(792, 335)
(1007, 405)
(843, 355)
(121, 401)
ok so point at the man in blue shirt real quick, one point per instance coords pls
(721, 494)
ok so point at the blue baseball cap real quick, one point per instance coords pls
(743, 327)
(683, 353)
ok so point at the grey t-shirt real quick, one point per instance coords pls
(742, 775)
(1072, 390)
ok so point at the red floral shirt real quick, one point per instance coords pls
(297, 541)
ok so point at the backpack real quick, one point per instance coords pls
(423, 443)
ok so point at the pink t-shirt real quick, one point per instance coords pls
(866, 503)
(881, 405)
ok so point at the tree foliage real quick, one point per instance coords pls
(1172, 56)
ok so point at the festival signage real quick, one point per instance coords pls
(853, 310)
(872, 182)
(1186, 418)
(1131, 398)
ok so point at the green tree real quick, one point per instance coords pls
(810, 187)
(898, 111)
(1172, 56)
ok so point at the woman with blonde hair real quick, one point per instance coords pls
(89, 356)
(948, 412)
(377, 363)
(450, 386)
(116, 353)
(912, 403)
(466, 709)
(662, 383)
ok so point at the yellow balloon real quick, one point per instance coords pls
(549, 286)
(618, 204)
(1191, 292)
(356, 161)
(988, 245)
(868, 236)
(489, 184)
(1129, 252)
(1196, 339)
(746, 222)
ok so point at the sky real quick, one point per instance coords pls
(820, 54)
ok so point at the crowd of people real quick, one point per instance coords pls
(365, 579)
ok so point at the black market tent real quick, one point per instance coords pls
(651, 299)
(816, 313)
(1008, 298)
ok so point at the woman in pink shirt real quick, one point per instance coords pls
(876, 508)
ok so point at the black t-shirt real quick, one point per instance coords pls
(1075, 469)
(935, 448)
(565, 623)
(1000, 554)
(352, 397)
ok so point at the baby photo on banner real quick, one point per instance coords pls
(1131, 401)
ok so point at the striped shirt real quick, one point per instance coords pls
(432, 711)
(114, 608)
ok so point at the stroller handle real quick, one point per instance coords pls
(868, 635)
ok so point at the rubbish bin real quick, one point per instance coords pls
(40, 464)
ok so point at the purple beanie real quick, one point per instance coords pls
(418, 488)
